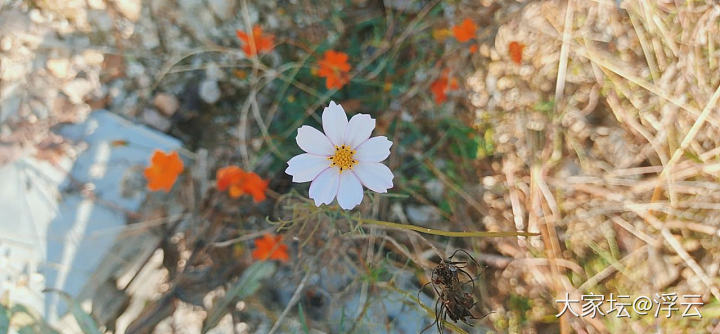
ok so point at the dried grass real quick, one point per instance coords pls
(614, 177)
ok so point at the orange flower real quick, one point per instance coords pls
(465, 31)
(473, 49)
(516, 49)
(270, 247)
(257, 43)
(163, 170)
(239, 182)
(334, 68)
(441, 85)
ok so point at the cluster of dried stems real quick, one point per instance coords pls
(619, 173)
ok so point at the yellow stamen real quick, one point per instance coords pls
(343, 158)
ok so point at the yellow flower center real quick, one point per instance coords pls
(343, 158)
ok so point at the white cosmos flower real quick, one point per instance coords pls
(342, 160)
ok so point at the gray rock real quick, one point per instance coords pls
(149, 38)
(435, 189)
(155, 119)
(189, 4)
(135, 69)
(209, 91)
(422, 214)
(77, 89)
(407, 6)
(59, 67)
(96, 4)
(214, 72)
(10, 97)
(54, 235)
(166, 103)
(6, 43)
(101, 20)
(131, 9)
(224, 9)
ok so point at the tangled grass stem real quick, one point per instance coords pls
(469, 234)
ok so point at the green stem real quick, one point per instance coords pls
(444, 233)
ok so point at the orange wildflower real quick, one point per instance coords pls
(387, 86)
(239, 182)
(473, 49)
(257, 43)
(441, 85)
(240, 74)
(516, 49)
(163, 170)
(270, 247)
(464, 31)
(334, 68)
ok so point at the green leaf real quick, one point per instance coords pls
(27, 330)
(39, 324)
(248, 283)
(342, 319)
(303, 321)
(4, 319)
(465, 142)
(87, 324)
(545, 106)
(485, 144)
(693, 156)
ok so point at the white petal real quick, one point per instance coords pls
(325, 186)
(305, 167)
(374, 175)
(350, 191)
(311, 140)
(375, 149)
(359, 129)
(334, 122)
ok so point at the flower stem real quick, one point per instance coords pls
(426, 230)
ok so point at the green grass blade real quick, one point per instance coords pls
(39, 326)
(4, 319)
(87, 324)
(27, 330)
(248, 283)
(303, 321)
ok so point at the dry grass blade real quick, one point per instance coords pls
(688, 138)
(293, 300)
(564, 53)
(602, 61)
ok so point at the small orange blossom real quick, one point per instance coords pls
(270, 247)
(464, 31)
(163, 170)
(516, 51)
(239, 182)
(441, 85)
(257, 43)
(334, 68)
